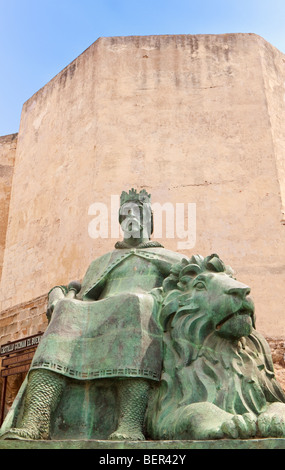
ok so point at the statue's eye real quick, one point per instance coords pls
(200, 285)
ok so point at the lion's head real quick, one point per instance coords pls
(217, 302)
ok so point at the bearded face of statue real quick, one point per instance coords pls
(135, 218)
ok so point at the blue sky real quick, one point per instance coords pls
(38, 38)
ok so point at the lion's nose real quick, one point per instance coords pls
(241, 292)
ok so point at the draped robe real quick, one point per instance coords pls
(110, 329)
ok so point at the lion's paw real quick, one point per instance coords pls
(271, 425)
(240, 427)
(207, 421)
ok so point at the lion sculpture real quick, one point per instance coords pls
(218, 379)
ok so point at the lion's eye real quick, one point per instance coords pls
(200, 285)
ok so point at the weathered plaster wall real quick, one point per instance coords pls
(191, 119)
(8, 146)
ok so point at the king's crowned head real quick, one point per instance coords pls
(137, 204)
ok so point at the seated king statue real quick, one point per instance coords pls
(104, 331)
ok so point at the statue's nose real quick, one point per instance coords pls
(241, 292)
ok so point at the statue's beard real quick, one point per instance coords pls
(132, 227)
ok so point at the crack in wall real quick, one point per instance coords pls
(205, 183)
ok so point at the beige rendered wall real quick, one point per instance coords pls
(8, 144)
(191, 119)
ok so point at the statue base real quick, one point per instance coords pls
(145, 446)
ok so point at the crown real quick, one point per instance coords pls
(142, 196)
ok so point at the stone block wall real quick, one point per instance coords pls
(277, 347)
(23, 320)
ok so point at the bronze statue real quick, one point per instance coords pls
(152, 345)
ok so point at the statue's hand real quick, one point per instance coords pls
(75, 286)
(50, 309)
(60, 293)
(56, 294)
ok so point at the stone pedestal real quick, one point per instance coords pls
(147, 447)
